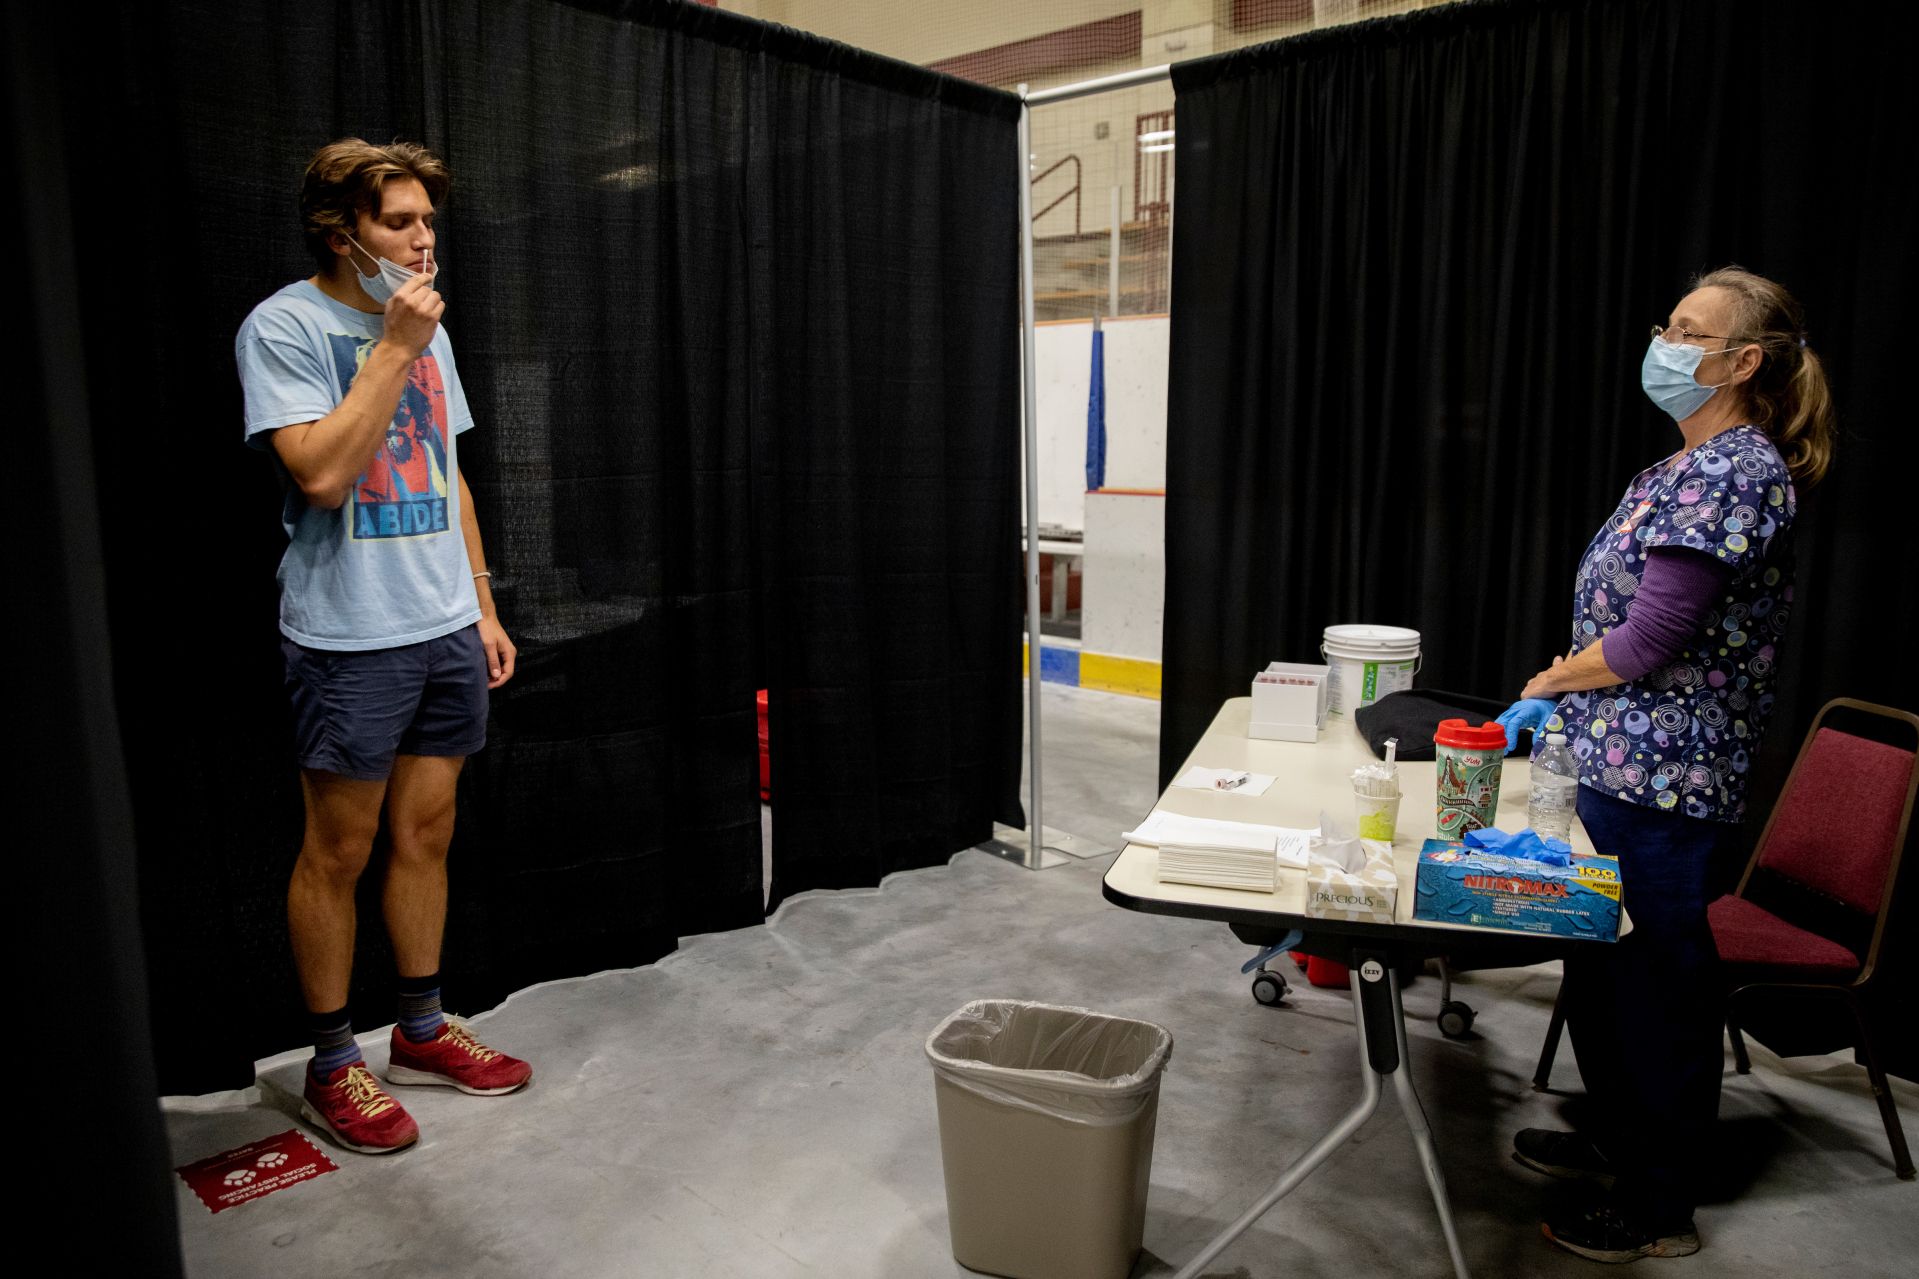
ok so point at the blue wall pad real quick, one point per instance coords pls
(1059, 665)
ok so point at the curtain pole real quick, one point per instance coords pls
(1105, 84)
(1035, 827)
(1036, 851)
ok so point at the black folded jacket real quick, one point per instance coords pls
(1413, 716)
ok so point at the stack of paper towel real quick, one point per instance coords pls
(1220, 854)
(1223, 861)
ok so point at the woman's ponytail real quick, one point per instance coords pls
(1788, 398)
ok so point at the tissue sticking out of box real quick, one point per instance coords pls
(1337, 845)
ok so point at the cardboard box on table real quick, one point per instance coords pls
(1368, 895)
(1458, 884)
(1289, 702)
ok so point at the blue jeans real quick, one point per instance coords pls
(1646, 1012)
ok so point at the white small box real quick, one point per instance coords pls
(1289, 702)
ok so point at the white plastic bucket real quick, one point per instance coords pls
(1367, 663)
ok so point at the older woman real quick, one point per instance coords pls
(1680, 605)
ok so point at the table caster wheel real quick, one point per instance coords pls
(1455, 1019)
(1268, 987)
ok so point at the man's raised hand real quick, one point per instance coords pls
(413, 315)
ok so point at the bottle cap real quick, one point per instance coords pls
(1555, 739)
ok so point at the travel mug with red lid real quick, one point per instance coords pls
(1469, 759)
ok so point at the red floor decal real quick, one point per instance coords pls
(225, 1180)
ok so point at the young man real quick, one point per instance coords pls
(386, 613)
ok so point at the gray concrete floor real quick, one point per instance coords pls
(759, 1104)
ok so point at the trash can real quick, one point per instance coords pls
(1046, 1133)
(1328, 973)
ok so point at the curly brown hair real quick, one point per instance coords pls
(344, 179)
(1788, 398)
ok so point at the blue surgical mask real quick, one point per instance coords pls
(1667, 375)
(392, 275)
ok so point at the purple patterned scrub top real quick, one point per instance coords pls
(1681, 737)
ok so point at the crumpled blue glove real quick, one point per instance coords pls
(1528, 844)
(1531, 712)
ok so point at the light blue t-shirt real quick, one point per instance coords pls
(389, 567)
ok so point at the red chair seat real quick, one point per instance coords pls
(1749, 937)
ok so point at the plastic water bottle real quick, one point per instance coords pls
(1549, 810)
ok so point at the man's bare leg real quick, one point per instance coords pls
(420, 797)
(419, 818)
(339, 1096)
(342, 816)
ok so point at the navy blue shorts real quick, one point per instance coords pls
(353, 712)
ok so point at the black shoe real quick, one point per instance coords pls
(1562, 1154)
(1601, 1231)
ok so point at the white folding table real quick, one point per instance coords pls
(1315, 777)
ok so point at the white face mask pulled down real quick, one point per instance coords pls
(391, 275)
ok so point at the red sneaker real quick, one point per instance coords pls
(352, 1108)
(458, 1060)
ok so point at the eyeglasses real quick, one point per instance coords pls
(1679, 333)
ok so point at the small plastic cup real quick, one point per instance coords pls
(1378, 815)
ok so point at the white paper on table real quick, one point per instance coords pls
(1204, 779)
(1172, 828)
(1294, 847)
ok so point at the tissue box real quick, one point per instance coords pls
(1368, 897)
(1289, 702)
(1461, 885)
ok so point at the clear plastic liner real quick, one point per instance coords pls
(1069, 1063)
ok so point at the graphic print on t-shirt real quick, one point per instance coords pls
(403, 493)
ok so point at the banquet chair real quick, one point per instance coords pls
(1811, 912)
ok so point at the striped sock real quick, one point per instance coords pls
(420, 1015)
(333, 1044)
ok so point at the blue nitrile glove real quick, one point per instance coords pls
(1531, 712)
(1527, 844)
(1489, 839)
(1530, 845)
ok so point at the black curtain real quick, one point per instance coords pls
(664, 264)
(885, 259)
(83, 980)
(1410, 393)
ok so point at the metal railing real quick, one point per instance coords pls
(1152, 191)
(1079, 174)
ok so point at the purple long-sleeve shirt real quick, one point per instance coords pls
(1677, 590)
